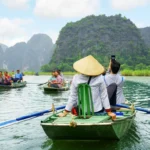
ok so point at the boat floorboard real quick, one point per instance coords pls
(93, 119)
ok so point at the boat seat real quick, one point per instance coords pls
(85, 102)
(78, 120)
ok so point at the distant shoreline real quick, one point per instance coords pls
(123, 72)
(135, 72)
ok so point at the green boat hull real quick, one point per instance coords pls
(105, 129)
(14, 85)
(51, 89)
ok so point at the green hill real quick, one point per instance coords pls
(100, 36)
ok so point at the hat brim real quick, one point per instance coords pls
(88, 66)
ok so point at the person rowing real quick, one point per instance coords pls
(1, 78)
(51, 79)
(90, 71)
(7, 79)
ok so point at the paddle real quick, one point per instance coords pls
(41, 84)
(136, 108)
(33, 115)
(31, 83)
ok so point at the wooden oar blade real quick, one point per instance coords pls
(26, 117)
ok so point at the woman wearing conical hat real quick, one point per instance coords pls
(89, 67)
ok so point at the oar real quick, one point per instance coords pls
(32, 83)
(30, 116)
(41, 84)
(136, 108)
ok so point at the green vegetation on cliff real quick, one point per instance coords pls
(100, 36)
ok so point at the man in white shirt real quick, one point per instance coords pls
(113, 77)
(89, 67)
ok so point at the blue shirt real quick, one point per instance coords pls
(18, 76)
(52, 78)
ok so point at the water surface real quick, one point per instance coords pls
(29, 135)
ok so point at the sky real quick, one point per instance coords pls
(20, 19)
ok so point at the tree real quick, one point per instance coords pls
(140, 66)
(45, 68)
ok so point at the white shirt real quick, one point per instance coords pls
(119, 80)
(98, 89)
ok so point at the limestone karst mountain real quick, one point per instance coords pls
(28, 56)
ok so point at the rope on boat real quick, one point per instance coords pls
(132, 108)
(73, 123)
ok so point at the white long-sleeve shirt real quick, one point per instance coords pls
(119, 80)
(98, 89)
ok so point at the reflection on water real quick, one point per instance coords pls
(88, 145)
(30, 135)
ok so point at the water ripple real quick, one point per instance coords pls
(29, 135)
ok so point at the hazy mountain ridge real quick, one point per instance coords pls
(3, 47)
(28, 56)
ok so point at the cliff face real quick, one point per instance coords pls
(40, 47)
(14, 56)
(3, 47)
(145, 32)
(1, 57)
(29, 56)
(100, 36)
(2, 51)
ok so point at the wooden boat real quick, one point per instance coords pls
(93, 128)
(15, 85)
(51, 89)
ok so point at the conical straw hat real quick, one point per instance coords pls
(88, 66)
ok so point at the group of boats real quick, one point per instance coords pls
(78, 128)
(46, 88)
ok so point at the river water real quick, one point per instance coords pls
(29, 135)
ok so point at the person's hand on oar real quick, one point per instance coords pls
(63, 114)
(112, 115)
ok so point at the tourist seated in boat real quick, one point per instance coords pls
(90, 72)
(18, 77)
(7, 78)
(58, 82)
(114, 83)
(1, 78)
(60, 73)
(52, 78)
